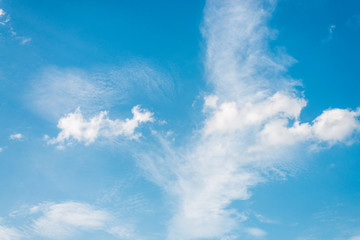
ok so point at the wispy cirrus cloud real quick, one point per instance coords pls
(9, 233)
(5, 22)
(4, 17)
(251, 131)
(65, 221)
(56, 91)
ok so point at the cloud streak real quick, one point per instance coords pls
(9, 233)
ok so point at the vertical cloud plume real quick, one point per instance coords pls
(252, 127)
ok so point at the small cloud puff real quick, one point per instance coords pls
(256, 232)
(2, 12)
(331, 31)
(4, 18)
(16, 136)
(74, 127)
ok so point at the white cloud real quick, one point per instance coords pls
(2, 12)
(1, 149)
(4, 17)
(336, 125)
(74, 127)
(252, 123)
(16, 136)
(24, 40)
(229, 116)
(332, 29)
(210, 101)
(331, 127)
(9, 233)
(264, 219)
(256, 232)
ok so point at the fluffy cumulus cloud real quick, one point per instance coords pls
(64, 221)
(252, 120)
(74, 127)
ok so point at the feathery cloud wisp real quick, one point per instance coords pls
(55, 91)
(63, 221)
(5, 22)
(9, 233)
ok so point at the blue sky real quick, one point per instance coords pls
(180, 120)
